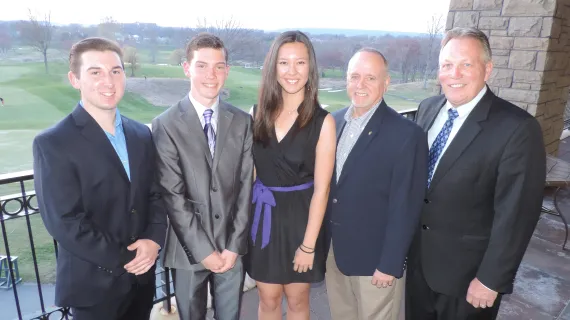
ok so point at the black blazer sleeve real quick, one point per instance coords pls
(518, 199)
(59, 197)
(407, 192)
(156, 227)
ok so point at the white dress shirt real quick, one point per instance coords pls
(200, 108)
(463, 111)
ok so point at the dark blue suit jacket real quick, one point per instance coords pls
(374, 208)
(90, 207)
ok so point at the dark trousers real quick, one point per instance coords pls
(191, 289)
(422, 303)
(135, 305)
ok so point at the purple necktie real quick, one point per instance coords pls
(209, 130)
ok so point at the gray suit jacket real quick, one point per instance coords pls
(208, 200)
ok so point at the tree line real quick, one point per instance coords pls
(414, 58)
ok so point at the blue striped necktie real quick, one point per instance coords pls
(440, 141)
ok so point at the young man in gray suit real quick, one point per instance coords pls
(205, 167)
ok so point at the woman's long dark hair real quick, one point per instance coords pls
(270, 92)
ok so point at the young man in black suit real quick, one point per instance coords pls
(94, 179)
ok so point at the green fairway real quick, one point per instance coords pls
(35, 100)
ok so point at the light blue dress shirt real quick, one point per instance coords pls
(119, 142)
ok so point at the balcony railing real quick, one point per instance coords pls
(22, 206)
(19, 204)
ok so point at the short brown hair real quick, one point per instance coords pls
(91, 44)
(204, 40)
(472, 33)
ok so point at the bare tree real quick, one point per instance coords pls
(236, 39)
(108, 28)
(177, 57)
(5, 42)
(38, 33)
(150, 33)
(336, 53)
(131, 59)
(409, 52)
(435, 26)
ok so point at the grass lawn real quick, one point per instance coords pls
(156, 71)
(35, 101)
(162, 55)
(49, 97)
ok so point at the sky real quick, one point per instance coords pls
(393, 15)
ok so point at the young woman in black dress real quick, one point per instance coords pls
(294, 154)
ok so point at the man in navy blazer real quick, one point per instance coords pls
(94, 177)
(375, 198)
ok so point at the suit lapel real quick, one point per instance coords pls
(367, 135)
(91, 131)
(340, 124)
(225, 117)
(431, 113)
(468, 131)
(135, 150)
(191, 119)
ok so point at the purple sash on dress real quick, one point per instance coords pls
(263, 197)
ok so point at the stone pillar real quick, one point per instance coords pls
(530, 40)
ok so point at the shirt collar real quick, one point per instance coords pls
(118, 120)
(465, 109)
(200, 108)
(348, 115)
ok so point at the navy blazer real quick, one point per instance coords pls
(90, 207)
(374, 208)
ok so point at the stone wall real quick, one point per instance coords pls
(530, 40)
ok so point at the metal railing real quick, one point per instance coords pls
(567, 115)
(19, 204)
(22, 205)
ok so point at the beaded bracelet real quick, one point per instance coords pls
(302, 247)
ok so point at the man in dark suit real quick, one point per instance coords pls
(205, 164)
(375, 197)
(485, 188)
(94, 174)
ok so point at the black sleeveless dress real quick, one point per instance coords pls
(288, 163)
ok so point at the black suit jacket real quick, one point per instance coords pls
(91, 209)
(484, 200)
(374, 208)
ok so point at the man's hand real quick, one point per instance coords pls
(229, 260)
(213, 262)
(480, 296)
(382, 280)
(147, 253)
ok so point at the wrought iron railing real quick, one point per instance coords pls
(20, 203)
(23, 205)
